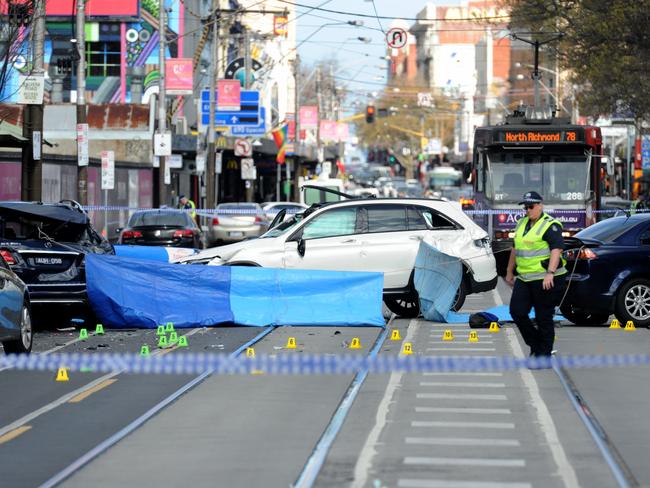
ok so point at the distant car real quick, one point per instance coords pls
(161, 227)
(271, 209)
(16, 317)
(45, 245)
(237, 221)
(381, 235)
(609, 266)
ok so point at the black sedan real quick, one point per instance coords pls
(45, 245)
(609, 272)
(161, 227)
(16, 318)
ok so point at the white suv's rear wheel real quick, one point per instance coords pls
(406, 306)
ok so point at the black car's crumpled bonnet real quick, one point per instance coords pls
(60, 212)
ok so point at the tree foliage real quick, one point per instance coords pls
(605, 48)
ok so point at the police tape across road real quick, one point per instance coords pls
(304, 364)
(252, 211)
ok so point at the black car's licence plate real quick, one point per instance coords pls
(48, 261)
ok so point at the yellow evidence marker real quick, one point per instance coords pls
(394, 336)
(355, 344)
(448, 335)
(62, 374)
(473, 336)
(629, 325)
(615, 324)
(494, 327)
(291, 343)
(407, 349)
(250, 352)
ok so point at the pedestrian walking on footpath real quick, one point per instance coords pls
(540, 274)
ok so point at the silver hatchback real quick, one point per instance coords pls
(235, 222)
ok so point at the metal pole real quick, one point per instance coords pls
(210, 176)
(82, 160)
(296, 169)
(247, 58)
(162, 101)
(32, 170)
(319, 99)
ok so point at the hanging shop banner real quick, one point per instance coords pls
(328, 130)
(228, 95)
(178, 74)
(309, 117)
(280, 25)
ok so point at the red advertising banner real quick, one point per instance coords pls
(178, 74)
(228, 95)
(328, 130)
(280, 25)
(308, 117)
(96, 8)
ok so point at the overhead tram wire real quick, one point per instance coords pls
(374, 7)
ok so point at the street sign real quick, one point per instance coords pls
(30, 89)
(108, 170)
(248, 115)
(243, 147)
(162, 144)
(425, 99)
(36, 145)
(230, 95)
(175, 161)
(396, 37)
(251, 130)
(645, 153)
(248, 169)
(218, 162)
(82, 144)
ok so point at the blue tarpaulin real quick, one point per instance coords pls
(437, 278)
(127, 293)
(154, 253)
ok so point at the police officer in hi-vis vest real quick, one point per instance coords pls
(540, 279)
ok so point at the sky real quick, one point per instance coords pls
(358, 60)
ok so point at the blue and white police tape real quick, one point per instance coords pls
(304, 364)
(253, 211)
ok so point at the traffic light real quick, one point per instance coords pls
(370, 114)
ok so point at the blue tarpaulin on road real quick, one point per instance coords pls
(437, 278)
(128, 293)
(153, 253)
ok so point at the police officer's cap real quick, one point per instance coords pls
(531, 197)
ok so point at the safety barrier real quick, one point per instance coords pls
(304, 364)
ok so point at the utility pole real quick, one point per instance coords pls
(32, 164)
(82, 126)
(162, 103)
(211, 176)
(296, 118)
(247, 58)
(319, 103)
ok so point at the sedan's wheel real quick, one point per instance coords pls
(24, 344)
(459, 299)
(406, 306)
(633, 302)
(582, 317)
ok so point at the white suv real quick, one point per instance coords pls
(380, 235)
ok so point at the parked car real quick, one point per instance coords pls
(271, 209)
(161, 227)
(609, 272)
(237, 221)
(45, 245)
(371, 234)
(16, 317)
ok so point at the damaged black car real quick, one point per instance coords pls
(45, 245)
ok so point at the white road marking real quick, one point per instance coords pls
(473, 425)
(473, 410)
(65, 398)
(459, 373)
(486, 462)
(462, 441)
(462, 384)
(407, 483)
(469, 349)
(438, 340)
(459, 396)
(544, 418)
(369, 450)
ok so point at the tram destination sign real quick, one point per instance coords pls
(540, 136)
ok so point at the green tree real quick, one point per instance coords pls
(605, 48)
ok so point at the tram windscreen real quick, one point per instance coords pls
(557, 177)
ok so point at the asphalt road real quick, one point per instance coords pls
(514, 428)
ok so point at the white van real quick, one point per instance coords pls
(314, 195)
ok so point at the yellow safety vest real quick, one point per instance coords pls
(192, 205)
(531, 249)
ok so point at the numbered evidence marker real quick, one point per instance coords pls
(394, 336)
(250, 352)
(629, 325)
(291, 343)
(615, 324)
(494, 327)
(407, 349)
(473, 336)
(355, 344)
(448, 335)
